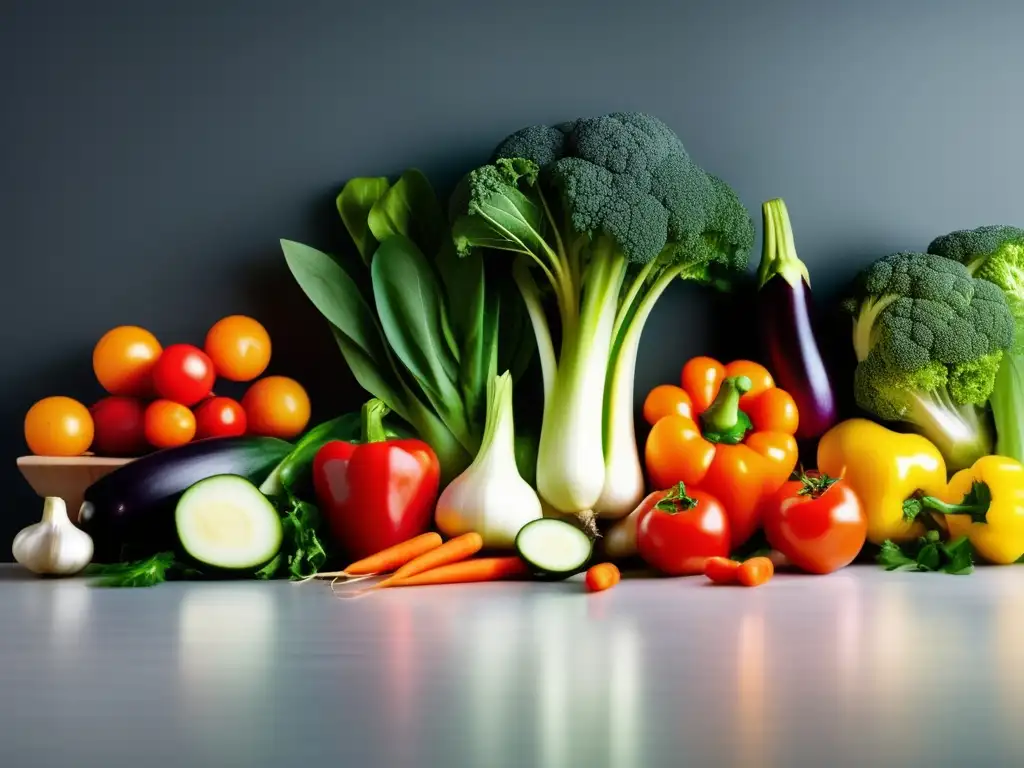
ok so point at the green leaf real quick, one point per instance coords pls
(355, 202)
(930, 557)
(410, 308)
(337, 297)
(892, 557)
(959, 556)
(141, 573)
(409, 209)
(911, 509)
(271, 569)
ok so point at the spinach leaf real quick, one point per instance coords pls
(410, 209)
(410, 306)
(355, 202)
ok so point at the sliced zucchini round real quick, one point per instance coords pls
(554, 549)
(225, 522)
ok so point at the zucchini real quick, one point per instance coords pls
(554, 549)
(130, 512)
(226, 522)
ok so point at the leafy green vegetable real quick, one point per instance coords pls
(140, 573)
(929, 554)
(608, 211)
(302, 554)
(354, 203)
(425, 336)
(929, 339)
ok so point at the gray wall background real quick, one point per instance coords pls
(153, 153)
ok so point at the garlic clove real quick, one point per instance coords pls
(54, 545)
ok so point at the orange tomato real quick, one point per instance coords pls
(239, 347)
(123, 360)
(666, 400)
(58, 426)
(276, 406)
(169, 424)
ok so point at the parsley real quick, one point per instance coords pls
(929, 554)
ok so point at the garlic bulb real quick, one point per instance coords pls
(491, 497)
(54, 545)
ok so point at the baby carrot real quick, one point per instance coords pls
(755, 571)
(452, 551)
(721, 570)
(601, 577)
(468, 571)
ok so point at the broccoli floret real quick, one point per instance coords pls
(929, 340)
(610, 210)
(996, 254)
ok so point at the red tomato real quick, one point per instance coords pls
(119, 426)
(679, 533)
(184, 374)
(169, 424)
(220, 417)
(817, 522)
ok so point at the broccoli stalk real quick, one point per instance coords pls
(996, 254)
(609, 211)
(929, 339)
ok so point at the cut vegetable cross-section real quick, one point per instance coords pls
(225, 522)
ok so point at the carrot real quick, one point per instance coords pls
(452, 551)
(602, 576)
(755, 571)
(386, 560)
(468, 571)
(721, 570)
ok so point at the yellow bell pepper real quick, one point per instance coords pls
(985, 503)
(884, 469)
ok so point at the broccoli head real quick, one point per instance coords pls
(627, 175)
(929, 340)
(993, 253)
(996, 254)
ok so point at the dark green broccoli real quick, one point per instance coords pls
(929, 339)
(996, 254)
(611, 210)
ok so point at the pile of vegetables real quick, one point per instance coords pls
(531, 286)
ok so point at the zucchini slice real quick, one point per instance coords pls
(554, 549)
(225, 522)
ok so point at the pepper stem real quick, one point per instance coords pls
(723, 421)
(372, 417)
(975, 504)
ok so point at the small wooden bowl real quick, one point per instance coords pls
(66, 476)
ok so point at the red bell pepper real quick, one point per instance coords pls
(377, 493)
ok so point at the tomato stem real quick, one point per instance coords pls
(676, 500)
(815, 485)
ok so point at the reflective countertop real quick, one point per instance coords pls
(860, 667)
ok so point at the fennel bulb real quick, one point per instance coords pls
(491, 497)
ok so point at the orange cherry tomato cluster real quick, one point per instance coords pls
(164, 397)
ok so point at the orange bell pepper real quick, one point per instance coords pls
(738, 445)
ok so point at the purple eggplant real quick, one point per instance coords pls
(786, 318)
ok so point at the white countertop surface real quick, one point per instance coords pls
(862, 667)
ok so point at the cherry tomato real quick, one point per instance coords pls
(239, 348)
(666, 400)
(679, 533)
(276, 406)
(183, 374)
(123, 360)
(817, 522)
(220, 417)
(169, 424)
(120, 426)
(58, 426)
